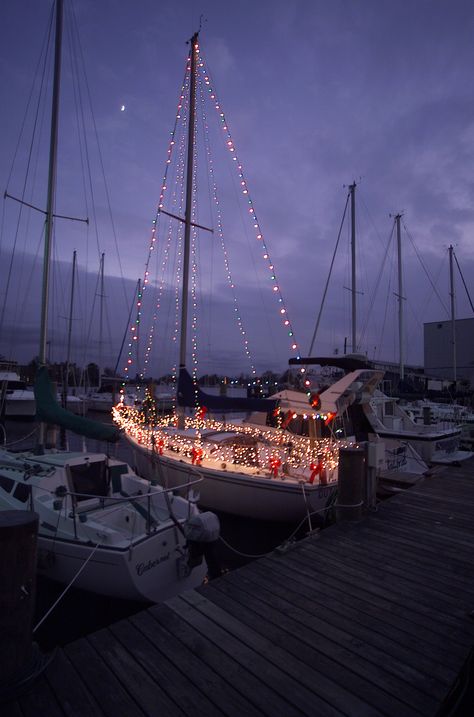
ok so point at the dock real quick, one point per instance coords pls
(366, 619)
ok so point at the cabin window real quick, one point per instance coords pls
(22, 492)
(6, 483)
(90, 479)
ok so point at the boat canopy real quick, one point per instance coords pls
(49, 411)
(190, 395)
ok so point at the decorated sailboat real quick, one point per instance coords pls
(249, 468)
(101, 527)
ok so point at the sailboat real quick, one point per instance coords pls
(101, 526)
(248, 469)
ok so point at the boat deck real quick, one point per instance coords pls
(367, 619)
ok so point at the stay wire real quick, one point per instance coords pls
(464, 283)
(45, 51)
(101, 161)
(424, 267)
(329, 277)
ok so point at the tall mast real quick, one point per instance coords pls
(53, 151)
(187, 217)
(400, 298)
(48, 230)
(453, 316)
(101, 315)
(71, 306)
(353, 261)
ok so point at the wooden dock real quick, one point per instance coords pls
(367, 619)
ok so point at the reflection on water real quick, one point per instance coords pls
(79, 612)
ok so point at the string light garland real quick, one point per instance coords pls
(220, 233)
(250, 207)
(297, 455)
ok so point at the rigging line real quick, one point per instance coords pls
(89, 331)
(464, 283)
(264, 299)
(45, 49)
(80, 108)
(220, 234)
(423, 266)
(384, 321)
(329, 277)
(203, 123)
(377, 284)
(101, 161)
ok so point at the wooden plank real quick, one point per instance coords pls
(145, 691)
(328, 618)
(261, 659)
(41, 700)
(343, 684)
(427, 580)
(355, 647)
(223, 680)
(390, 547)
(374, 615)
(70, 691)
(99, 679)
(400, 535)
(145, 648)
(397, 590)
(396, 603)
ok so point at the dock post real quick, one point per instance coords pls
(18, 547)
(351, 484)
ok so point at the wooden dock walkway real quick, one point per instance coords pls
(367, 619)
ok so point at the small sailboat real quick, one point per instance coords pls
(101, 527)
(248, 469)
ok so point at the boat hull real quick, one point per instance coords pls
(150, 571)
(259, 497)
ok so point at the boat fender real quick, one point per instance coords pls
(202, 528)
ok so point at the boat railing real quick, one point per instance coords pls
(81, 502)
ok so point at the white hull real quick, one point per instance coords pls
(149, 571)
(20, 407)
(249, 496)
(117, 536)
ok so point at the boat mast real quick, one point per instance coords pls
(101, 317)
(48, 231)
(353, 257)
(400, 298)
(453, 316)
(188, 210)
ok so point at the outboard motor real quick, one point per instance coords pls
(202, 533)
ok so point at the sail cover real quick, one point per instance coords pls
(190, 395)
(49, 411)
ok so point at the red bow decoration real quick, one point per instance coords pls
(329, 418)
(161, 445)
(316, 469)
(275, 463)
(196, 456)
(201, 414)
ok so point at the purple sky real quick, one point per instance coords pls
(316, 94)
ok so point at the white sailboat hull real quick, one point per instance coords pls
(150, 571)
(249, 496)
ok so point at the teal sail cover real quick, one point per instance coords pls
(48, 410)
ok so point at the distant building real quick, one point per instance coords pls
(438, 349)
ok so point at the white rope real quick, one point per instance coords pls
(65, 590)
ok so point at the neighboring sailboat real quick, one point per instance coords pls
(100, 525)
(16, 399)
(248, 470)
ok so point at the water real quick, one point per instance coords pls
(80, 613)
